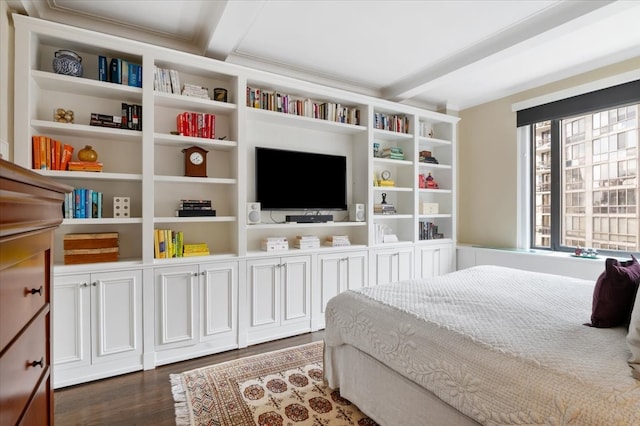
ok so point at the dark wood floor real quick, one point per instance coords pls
(144, 398)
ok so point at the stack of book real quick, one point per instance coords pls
(386, 182)
(201, 125)
(337, 241)
(119, 71)
(197, 249)
(195, 91)
(429, 231)
(165, 80)
(393, 153)
(83, 204)
(50, 154)
(426, 157)
(90, 248)
(167, 243)
(84, 166)
(274, 243)
(384, 209)
(195, 208)
(393, 123)
(306, 241)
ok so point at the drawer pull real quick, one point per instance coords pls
(40, 363)
(34, 291)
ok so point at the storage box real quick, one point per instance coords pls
(90, 248)
(429, 208)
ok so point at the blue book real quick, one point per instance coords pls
(76, 202)
(139, 75)
(103, 74)
(94, 204)
(133, 75)
(99, 205)
(83, 201)
(87, 203)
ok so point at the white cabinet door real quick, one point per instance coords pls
(338, 272)
(71, 321)
(97, 326)
(116, 306)
(219, 300)
(393, 265)
(176, 306)
(434, 260)
(296, 280)
(264, 291)
(279, 297)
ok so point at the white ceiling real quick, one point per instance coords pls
(451, 54)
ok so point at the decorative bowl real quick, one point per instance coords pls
(67, 62)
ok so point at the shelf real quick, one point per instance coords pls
(176, 219)
(432, 141)
(294, 251)
(434, 216)
(435, 241)
(190, 103)
(194, 259)
(178, 140)
(392, 216)
(93, 267)
(103, 221)
(435, 191)
(392, 162)
(392, 188)
(274, 117)
(187, 179)
(434, 166)
(63, 174)
(71, 129)
(303, 225)
(388, 135)
(86, 87)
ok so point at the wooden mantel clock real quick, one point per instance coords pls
(195, 162)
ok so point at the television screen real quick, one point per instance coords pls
(295, 180)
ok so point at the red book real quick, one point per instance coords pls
(47, 153)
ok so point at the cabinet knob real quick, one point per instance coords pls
(36, 363)
(95, 283)
(84, 285)
(203, 273)
(34, 291)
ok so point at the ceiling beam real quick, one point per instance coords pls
(547, 20)
(236, 18)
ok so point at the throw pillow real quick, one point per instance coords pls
(633, 338)
(614, 293)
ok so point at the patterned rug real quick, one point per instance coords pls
(278, 388)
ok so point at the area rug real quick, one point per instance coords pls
(278, 388)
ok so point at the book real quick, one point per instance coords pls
(124, 72)
(67, 154)
(115, 70)
(85, 166)
(102, 69)
(35, 142)
(195, 213)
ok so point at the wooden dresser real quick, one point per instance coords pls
(30, 210)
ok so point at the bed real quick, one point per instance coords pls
(485, 345)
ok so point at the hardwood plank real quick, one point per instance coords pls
(144, 397)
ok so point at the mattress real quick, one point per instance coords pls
(500, 345)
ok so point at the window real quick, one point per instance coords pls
(583, 183)
(589, 196)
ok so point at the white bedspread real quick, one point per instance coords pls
(502, 346)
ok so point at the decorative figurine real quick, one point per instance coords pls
(431, 183)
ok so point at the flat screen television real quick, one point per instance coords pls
(295, 180)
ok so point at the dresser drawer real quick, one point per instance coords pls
(38, 410)
(22, 294)
(16, 369)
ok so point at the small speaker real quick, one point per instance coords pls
(357, 212)
(253, 213)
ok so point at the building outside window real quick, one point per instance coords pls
(585, 188)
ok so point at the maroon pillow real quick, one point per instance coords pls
(614, 293)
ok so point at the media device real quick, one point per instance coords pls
(309, 218)
(356, 212)
(253, 213)
(296, 180)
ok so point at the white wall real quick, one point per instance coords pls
(487, 191)
(6, 81)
